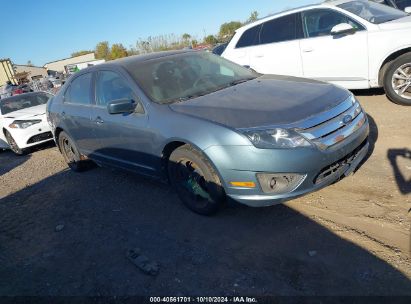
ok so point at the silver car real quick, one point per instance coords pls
(213, 129)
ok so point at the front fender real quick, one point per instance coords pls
(391, 53)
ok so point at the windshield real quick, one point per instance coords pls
(372, 12)
(23, 101)
(184, 76)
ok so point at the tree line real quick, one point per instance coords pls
(104, 50)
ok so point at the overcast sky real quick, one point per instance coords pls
(47, 30)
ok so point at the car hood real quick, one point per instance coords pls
(27, 113)
(402, 23)
(265, 101)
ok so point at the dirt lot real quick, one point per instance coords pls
(352, 238)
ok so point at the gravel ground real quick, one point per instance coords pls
(63, 233)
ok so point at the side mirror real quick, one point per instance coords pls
(121, 106)
(342, 29)
(408, 10)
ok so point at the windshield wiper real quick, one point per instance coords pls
(185, 98)
(235, 82)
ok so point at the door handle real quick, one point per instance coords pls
(259, 56)
(308, 50)
(99, 121)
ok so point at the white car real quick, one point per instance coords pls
(23, 121)
(355, 44)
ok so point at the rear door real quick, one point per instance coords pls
(341, 59)
(240, 52)
(278, 51)
(124, 140)
(77, 111)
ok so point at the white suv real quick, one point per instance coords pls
(356, 44)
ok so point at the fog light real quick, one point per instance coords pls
(279, 183)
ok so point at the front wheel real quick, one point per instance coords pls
(13, 145)
(195, 180)
(397, 80)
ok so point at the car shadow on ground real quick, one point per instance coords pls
(372, 139)
(46, 145)
(69, 233)
(369, 92)
(9, 160)
(393, 155)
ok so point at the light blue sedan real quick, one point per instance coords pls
(211, 128)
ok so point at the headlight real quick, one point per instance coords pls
(357, 105)
(276, 138)
(23, 124)
(353, 99)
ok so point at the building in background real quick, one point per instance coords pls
(59, 65)
(33, 72)
(75, 67)
(6, 72)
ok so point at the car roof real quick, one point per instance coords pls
(335, 2)
(133, 60)
(327, 3)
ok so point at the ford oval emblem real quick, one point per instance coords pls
(347, 119)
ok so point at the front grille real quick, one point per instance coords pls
(337, 125)
(339, 166)
(40, 137)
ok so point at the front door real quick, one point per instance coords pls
(341, 59)
(123, 139)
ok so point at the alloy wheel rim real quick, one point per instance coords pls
(401, 81)
(13, 144)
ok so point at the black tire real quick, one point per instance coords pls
(388, 80)
(13, 145)
(71, 154)
(195, 180)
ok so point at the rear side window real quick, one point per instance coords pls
(285, 28)
(79, 90)
(249, 37)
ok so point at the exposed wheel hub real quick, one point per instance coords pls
(193, 181)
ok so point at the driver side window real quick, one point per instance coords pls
(317, 23)
(111, 86)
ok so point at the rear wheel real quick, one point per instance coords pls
(195, 180)
(13, 145)
(397, 80)
(71, 154)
